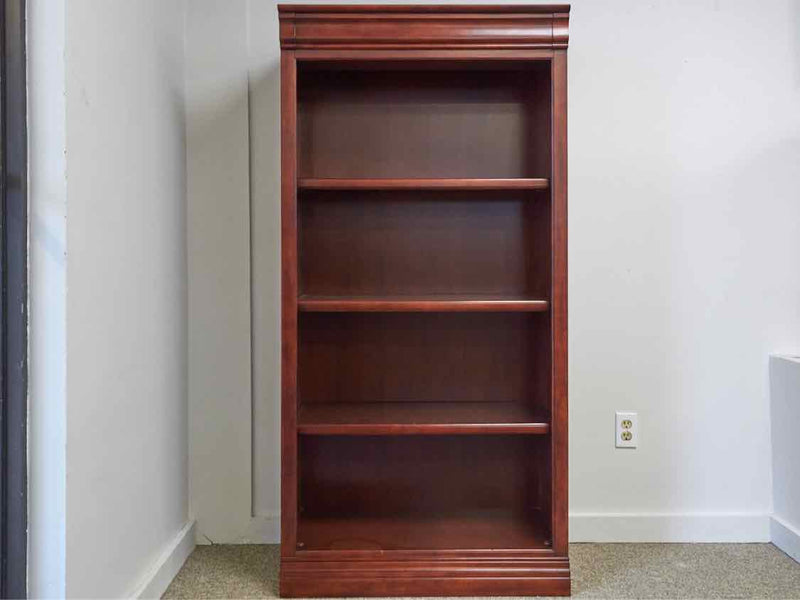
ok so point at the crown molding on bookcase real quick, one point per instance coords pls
(366, 27)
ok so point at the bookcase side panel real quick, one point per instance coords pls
(288, 303)
(559, 305)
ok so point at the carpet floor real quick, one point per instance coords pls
(598, 571)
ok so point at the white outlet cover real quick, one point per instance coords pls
(622, 428)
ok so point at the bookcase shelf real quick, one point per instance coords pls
(424, 287)
(420, 418)
(309, 183)
(487, 529)
(437, 303)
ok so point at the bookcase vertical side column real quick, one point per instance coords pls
(559, 305)
(289, 293)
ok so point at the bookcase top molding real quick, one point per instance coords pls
(423, 26)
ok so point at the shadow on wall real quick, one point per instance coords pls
(229, 185)
(265, 198)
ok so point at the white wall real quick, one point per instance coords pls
(785, 404)
(684, 145)
(47, 187)
(685, 233)
(114, 240)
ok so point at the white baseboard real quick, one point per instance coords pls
(785, 537)
(595, 527)
(262, 529)
(688, 528)
(691, 528)
(158, 577)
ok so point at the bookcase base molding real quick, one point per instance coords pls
(484, 574)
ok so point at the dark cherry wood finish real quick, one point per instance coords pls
(424, 184)
(424, 122)
(421, 243)
(369, 27)
(424, 315)
(424, 357)
(420, 418)
(420, 304)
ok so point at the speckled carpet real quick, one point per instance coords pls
(598, 571)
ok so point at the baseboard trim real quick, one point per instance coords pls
(158, 577)
(785, 537)
(675, 528)
(595, 527)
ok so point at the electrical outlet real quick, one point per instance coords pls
(626, 432)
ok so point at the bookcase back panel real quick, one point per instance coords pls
(424, 123)
(453, 357)
(424, 242)
(472, 479)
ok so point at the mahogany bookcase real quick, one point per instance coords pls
(424, 300)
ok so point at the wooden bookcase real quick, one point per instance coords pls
(424, 284)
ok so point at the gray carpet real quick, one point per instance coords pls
(598, 571)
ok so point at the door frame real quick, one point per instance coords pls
(14, 302)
